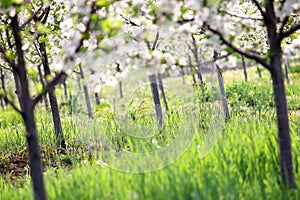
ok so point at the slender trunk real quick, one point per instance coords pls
(223, 93)
(156, 99)
(1, 103)
(121, 89)
(43, 83)
(53, 100)
(191, 66)
(244, 68)
(65, 89)
(182, 75)
(198, 66)
(86, 95)
(162, 90)
(34, 154)
(79, 83)
(286, 67)
(18, 89)
(285, 152)
(3, 87)
(97, 99)
(27, 108)
(259, 72)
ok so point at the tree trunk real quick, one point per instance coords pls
(182, 75)
(27, 109)
(191, 66)
(286, 67)
(79, 83)
(3, 87)
(86, 95)
(223, 93)
(285, 152)
(156, 99)
(65, 89)
(198, 66)
(18, 89)
(34, 154)
(97, 99)
(244, 68)
(121, 89)
(162, 90)
(259, 72)
(53, 101)
(43, 83)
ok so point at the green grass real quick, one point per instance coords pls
(238, 162)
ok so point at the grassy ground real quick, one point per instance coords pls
(238, 162)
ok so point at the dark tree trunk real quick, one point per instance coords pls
(34, 153)
(86, 95)
(43, 83)
(1, 103)
(27, 108)
(286, 67)
(3, 87)
(97, 99)
(53, 101)
(65, 89)
(156, 99)
(244, 68)
(121, 89)
(162, 90)
(285, 152)
(223, 93)
(18, 89)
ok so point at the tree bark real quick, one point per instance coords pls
(43, 83)
(121, 89)
(18, 89)
(162, 90)
(27, 109)
(97, 99)
(223, 93)
(182, 75)
(3, 87)
(244, 68)
(53, 100)
(284, 140)
(286, 67)
(191, 66)
(198, 66)
(65, 89)
(36, 171)
(156, 99)
(86, 95)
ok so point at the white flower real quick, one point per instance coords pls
(153, 141)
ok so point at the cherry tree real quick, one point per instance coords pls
(257, 30)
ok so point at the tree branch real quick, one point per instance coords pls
(289, 32)
(50, 86)
(9, 61)
(263, 14)
(31, 17)
(238, 16)
(283, 23)
(155, 41)
(10, 103)
(258, 59)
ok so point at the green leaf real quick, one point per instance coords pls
(39, 87)
(43, 29)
